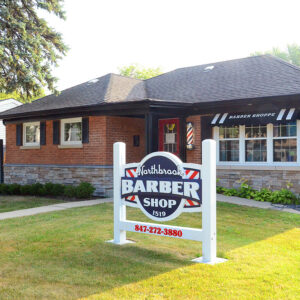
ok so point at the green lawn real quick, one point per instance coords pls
(10, 203)
(63, 255)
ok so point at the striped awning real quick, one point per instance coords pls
(261, 118)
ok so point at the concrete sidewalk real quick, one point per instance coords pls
(67, 205)
(50, 208)
(254, 203)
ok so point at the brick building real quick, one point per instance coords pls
(249, 106)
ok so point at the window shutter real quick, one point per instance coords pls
(43, 133)
(56, 127)
(85, 130)
(206, 129)
(19, 137)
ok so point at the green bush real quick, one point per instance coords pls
(284, 196)
(48, 188)
(246, 191)
(2, 188)
(37, 189)
(25, 189)
(13, 189)
(57, 190)
(70, 191)
(84, 190)
(230, 192)
(263, 195)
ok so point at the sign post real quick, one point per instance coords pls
(119, 206)
(163, 187)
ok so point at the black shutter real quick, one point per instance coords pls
(19, 135)
(56, 128)
(85, 130)
(206, 129)
(43, 133)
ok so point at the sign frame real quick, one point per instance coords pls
(206, 235)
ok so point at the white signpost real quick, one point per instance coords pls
(163, 187)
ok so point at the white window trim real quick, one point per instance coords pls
(62, 131)
(270, 139)
(25, 144)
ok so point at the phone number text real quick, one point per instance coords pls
(158, 230)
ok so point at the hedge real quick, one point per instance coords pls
(82, 191)
(283, 196)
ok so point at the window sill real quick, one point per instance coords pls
(30, 147)
(269, 167)
(70, 146)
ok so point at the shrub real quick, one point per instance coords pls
(25, 189)
(37, 189)
(263, 195)
(57, 190)
(70, 191)
(230, 192)
(84, 190)
(2, 188)
(12, 189)
(220, 189)
(246, 191)
(48, 188)
(284, 196)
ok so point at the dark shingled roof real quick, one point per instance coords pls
(251, 77)
(106, 89)
(246, 78)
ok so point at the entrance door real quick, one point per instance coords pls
(169, 135)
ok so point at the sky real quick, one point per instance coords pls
(104, 35)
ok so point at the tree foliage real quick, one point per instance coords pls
(139, 72)
(18, 97)
(291, 54)
(29, 48)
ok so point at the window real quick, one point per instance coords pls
(262, 144)
(229, 143)
(31, 134)
(256, 143)
(170, 137)
(285, 142)
(71, 131)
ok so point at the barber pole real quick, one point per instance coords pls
(190, 136)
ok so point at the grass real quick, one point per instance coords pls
(63, 255)
(10, 203)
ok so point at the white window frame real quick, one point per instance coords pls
(242, 144)
(230, 139)
(62, 131)
(254, 139)
(24, 134)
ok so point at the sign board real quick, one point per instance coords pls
(163, 187)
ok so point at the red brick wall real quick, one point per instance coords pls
(103, 132)
(91, 153)
(121, 129)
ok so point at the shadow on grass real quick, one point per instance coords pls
(63, 255)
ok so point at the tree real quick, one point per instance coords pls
(29, 48)
(291, 54)
(139, 72)
(18, 97)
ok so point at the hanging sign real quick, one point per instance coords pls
(163, 187)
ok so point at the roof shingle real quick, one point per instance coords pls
(246, 78)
